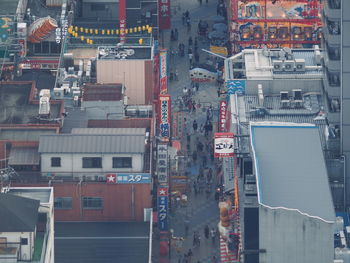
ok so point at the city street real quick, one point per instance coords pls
(202, 209)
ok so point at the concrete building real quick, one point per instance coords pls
(336, 42)
(93, 155)
(27, 225)
(295, 210)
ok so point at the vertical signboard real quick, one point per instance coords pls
(222, 117)
(162, 163)
(223, 144)
(163, 68)
(164, 119)
(164, 14)
(162, 208)
(235, 86)
(122, 20)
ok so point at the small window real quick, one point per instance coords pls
(63, 203)
(24, 241)
(56, 162)
(92, 162)
(92, 202)
(122, 162)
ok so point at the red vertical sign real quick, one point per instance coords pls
(222, 117)
(122, 20)
(164, 14)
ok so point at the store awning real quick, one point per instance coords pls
(24, 156)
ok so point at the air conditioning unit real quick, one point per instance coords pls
(131, 112)
(58, 93)
(260, 95)
(285, 103)
(277, 65)
(289, 65)
(300, 64)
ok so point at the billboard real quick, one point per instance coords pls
(164, 119)
(235, 86)
(124, 178)
(162, 208)
(163, 69)
(162, 163)
(164, 13)
(223, 144)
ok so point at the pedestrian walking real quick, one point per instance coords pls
(195, 126)
(190, 50)
(190, 56)
(200, 2)
(194, 156)
(190, 41)
(214, 260)
(197, 86)
(204, 159)
(196, 57)
(206, 231)
(189, 255)
(187, 14)
(176, 34)
(187, 226)
(206, 1)
(213, 235)
(188, 22)
(183, 18)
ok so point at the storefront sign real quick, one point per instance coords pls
(61, 32)
(223, 144)
(164, 122)
(164, 14)
(163, 71)
(219, 50)
(122, 178)
(222, 119)
(40, 64)
(122, 20)
(162, 163)
(162, 208)
(235, 86)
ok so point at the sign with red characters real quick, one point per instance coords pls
(163, 68)
(164, 13)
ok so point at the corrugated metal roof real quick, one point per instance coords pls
(116, 131)
(80, 143)
(290, 168)
(24, 156)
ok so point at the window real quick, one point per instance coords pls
(24, 241)
(56, 162)
(122, 162)
(92, 162)
(92, 203)
(63, 203)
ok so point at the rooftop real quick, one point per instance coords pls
(8, 7)
(102, 92)
(43, 194)
(118, 131)
(25, 133)
(24, 156)
(92, 143)
(18, 214)
(19, 106)
(290, 169)
(102, 242)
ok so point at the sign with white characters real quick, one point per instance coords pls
(123, 178)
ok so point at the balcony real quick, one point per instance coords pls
(332, 9)
(331, 32)
(332, 58)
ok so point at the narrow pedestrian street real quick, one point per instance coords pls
(201, 210)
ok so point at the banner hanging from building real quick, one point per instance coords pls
(163, 69)
(164, 14)
(162, 163)
(235, 86)
(164, 119)
(223, 144)
(162, 208)
(123, 178)
(222, 117)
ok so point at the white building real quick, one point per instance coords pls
(27, 225)
(92, 155)
(295, 214)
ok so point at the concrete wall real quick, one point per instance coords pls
(277, 85)
(110, 11)
(290, 237)
(26, 251)
(72, 164)
(345, 91)
(137, 74)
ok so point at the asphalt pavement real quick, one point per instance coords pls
(202, 208)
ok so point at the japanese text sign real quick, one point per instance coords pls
(163, 68)
(122, 178)
(164, 14)
(164, 122)
(162, 208)
(162, 163)
(223, 144)
(222, 119)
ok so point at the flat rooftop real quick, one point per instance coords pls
(102, 242)
(17, 104)
(42, 194)
(290, 169)
(102, 92)
(8, 7)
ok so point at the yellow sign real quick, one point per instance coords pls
(219, 50)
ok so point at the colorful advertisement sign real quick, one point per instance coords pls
(162, 208)
(122, 20)
(222, 117)
(235, 86)
(219, 50)
(164, 13)
(163, 69)
(223, 144)
(162, 163)
(164, 122)
(123, 178)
